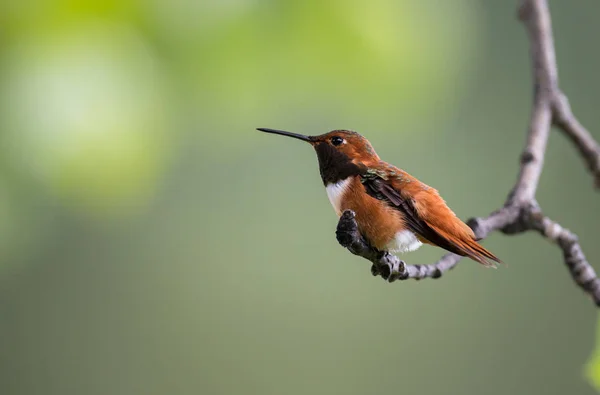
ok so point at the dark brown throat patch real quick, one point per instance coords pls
(334, 165)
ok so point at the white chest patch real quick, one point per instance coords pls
(335, 193)
(403, 242)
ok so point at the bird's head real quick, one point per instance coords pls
(337, 145)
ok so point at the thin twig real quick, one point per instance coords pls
(582, 272)
(574, 130)
(521, 211)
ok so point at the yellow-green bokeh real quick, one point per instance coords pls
(152, 242)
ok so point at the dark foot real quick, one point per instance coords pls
(375, 270)
(385, 265)
(347, 229)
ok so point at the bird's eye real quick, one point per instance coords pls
(337, 140)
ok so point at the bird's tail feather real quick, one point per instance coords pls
(469, 247)
(480, 254)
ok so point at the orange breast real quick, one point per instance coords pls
(377, 222)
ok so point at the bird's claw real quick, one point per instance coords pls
(375, 270)
(347, 228)
(388, 266)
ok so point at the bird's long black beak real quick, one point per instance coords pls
(289, 134)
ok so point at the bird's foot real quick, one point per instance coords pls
(347, 229)
(386, 265)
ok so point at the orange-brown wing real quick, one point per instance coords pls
(426, 214)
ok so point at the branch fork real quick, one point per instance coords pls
(521, 212)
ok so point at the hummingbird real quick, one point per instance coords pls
(394, 211)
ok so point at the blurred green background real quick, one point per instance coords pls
(152, 242)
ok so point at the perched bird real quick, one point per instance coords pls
(394, 211)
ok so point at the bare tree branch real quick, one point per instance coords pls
(583, 140)
(582, 272)
(521, 211)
